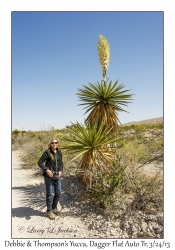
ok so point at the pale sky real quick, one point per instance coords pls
(55, 53)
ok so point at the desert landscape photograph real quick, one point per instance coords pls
(87, 125)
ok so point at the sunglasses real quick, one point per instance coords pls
(54, 142)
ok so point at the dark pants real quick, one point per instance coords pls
(52, 185)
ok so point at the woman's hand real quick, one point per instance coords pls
(49, 172)
(59, 173)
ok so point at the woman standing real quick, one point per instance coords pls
(52, 166)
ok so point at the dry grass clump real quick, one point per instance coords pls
(146, 191)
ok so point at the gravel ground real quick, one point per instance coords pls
(29, 219)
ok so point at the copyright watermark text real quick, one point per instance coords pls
(48, 230)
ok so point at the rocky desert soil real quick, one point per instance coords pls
(29, 219)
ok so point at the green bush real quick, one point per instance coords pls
(106, 185)
(146, 190)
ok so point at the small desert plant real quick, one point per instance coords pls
(15, 132)
(105, 186)
(32, 150)
(146, 190)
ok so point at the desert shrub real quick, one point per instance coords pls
(137, 149)
(139, 129)
(146, 190)
(15, 132)
(19, 140)
(126, 183)
(105, 186)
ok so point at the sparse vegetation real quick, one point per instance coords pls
(128, 179)
(134, 190)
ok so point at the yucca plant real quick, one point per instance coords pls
(104, 101)
(89, 142)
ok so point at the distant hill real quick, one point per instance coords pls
(148, 121)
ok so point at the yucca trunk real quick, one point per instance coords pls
(93, 164)
(104, 112)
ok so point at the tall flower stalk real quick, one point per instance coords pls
(104, 54)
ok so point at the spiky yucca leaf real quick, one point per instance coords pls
(80, 139)
(90, 143)
(104, 54)
(104, 101)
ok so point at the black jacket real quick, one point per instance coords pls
(47, 161)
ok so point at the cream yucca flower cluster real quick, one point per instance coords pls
(104, 54)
